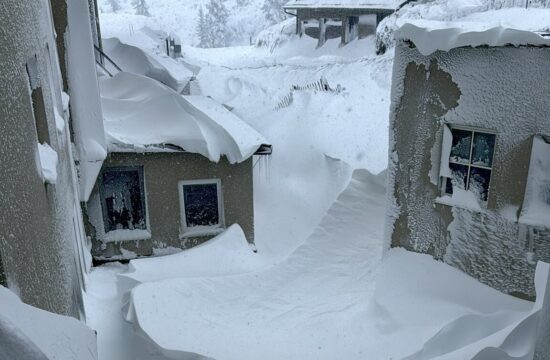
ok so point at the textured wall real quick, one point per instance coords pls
(503, 89)
(36, 233)
(162, 172)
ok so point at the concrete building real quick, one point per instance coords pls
(345, 19)
(179, 171)
(469, 150)
(41, 230)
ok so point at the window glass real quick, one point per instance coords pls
(484, 145)
(459, 177)
(201, 204)
(122, 194)
(479, 182)
(460, 150)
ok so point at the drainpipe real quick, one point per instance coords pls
(298, 21)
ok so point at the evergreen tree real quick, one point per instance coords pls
(141, 7)
(273, 10)
(202, 30)
(216, 23)
(115, 6)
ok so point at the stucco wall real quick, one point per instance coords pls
(162, 172)
(502, 89)
(36, 234)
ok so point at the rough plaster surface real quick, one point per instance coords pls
(36, 230)
(503, 89)
(162, 172)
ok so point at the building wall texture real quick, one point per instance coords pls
(162, 172)
(502, 89)
(36, 226)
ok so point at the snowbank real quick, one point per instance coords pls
(227, 254)
(142, 114)
(28, 333)
(430, 36)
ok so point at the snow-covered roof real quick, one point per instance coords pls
(345, 4)
(429, 36)
(143, 115)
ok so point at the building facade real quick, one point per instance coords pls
(468, 127)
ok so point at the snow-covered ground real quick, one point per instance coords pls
(318, 287)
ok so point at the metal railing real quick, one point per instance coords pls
(100, 60)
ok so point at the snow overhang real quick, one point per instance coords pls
(143, 115)
(390, 5)
(430, 36)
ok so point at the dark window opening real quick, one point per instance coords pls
(471, 162)
(37, 98)
(123, 199)
(3, 279)
(201, 204)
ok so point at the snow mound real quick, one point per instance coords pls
(430, 36)
(142, 114)
(135, 60)
(496, 334)
(319, 290)
(28, 333)
(227, 254)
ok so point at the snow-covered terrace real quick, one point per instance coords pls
(345, 4)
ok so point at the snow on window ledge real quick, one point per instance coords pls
(197, 231)
(461, 199)
(48, 163)
(126, 235)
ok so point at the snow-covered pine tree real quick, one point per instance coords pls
(216, 22)
(202, 30)
(141, 7)
(115, 6)
(273, 10)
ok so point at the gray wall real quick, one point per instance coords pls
(162, 172)
(503, 89)
(36, 223)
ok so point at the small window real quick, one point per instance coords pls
(470, 162)
(201, 205)
(123, 199)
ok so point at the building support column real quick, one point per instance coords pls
(299, 26)
(345, 31)
(322, 32)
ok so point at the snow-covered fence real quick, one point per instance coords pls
(320, 85)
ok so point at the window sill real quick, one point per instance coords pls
(468, 203)
(126, 235)
(199, 231)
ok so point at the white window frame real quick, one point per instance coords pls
(187, 231)
(443, 178)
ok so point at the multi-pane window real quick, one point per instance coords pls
(471, 162)
(123, 199)
(201, 204)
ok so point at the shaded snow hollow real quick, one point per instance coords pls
(143, 115)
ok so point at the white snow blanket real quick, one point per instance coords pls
(352, 4)
(430, 36)
(226, 254)
(28, 333)
(317, 304)
(48, 163)
(142, 114)
(138, 61)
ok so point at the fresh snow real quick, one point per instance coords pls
(48, 163)
(28, 333)
(430, 36)
(143, 115)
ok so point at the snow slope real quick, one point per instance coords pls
(29, 333)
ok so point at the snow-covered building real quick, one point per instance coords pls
(179, 170)
(469, 170)
(345, 19)
(42, 241)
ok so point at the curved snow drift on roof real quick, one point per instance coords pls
(143, 115)
(430, 36)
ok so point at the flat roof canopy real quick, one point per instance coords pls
(345, 4)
